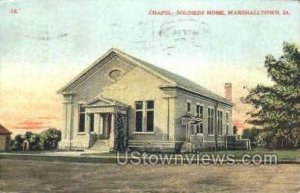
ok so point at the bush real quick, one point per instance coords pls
(50, 138)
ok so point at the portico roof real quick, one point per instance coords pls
(104, 102)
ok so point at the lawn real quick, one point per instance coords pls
(64, 177)
(293, 154)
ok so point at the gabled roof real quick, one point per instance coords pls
(173, 79)
(4, 131)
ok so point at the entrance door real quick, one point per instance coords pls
(106, 125)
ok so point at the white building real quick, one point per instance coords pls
(122, 102)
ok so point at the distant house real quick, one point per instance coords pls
(122, 102)
(4, 138)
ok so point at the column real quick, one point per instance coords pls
(68, 113)
(87, 123)
(112, 131)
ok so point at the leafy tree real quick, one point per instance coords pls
(252, 134)
(17, 142)
(50, 138)
(277, 107)
(34, 140)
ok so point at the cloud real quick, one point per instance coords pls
(30, 125)
(48, 118)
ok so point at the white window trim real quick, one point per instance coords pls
(139, 110)
(190, 102)
(201, 105)
(222, 118)
(144, 110)
(213, 132)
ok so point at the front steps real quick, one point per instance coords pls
(100, 146)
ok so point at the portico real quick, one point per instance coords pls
(105, 120)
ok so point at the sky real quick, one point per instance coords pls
(44, 44)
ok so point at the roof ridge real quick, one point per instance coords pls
(177, 79)
(217, 96)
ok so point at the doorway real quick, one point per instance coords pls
(105, 125)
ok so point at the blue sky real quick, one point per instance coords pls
(46, 43)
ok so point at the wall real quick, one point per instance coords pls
(135, 84)
(181, 107)
(3, 144)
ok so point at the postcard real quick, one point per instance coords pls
(149, 96)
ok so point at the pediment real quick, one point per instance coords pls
(103, 102)
(100, 102)
(114, 64)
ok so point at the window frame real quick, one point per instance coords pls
(92, 122)
(146, 114)
(188, 106)
(200, 126)
(227, 122)
(81, 126)
(144, 110)
(210, 121)
(220, 122)
(142, 118)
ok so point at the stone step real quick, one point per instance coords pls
(100, 146)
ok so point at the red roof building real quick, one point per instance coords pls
(4, 131)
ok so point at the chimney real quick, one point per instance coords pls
(228, 91)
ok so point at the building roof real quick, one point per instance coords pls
(180, 82)
(4, 131)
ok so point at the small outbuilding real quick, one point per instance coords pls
(4, 138)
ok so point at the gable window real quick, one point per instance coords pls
(220, 122)
(150, 116)
(81, 118)
(210, 121)
(139, 116)
(199, 112)
(92, 123)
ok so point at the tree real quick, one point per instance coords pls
(50, 138)
(17, 142)
(34, 140)
(277, 107)
(252, 134)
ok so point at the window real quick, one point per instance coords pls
(92, 123)
(199, 128)
(199, 112)
(148, 111)
(210, 121)
(220, 122)
(139, 116)
(188, 106)
(81, 118)
(150, 116)
(227, 122)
